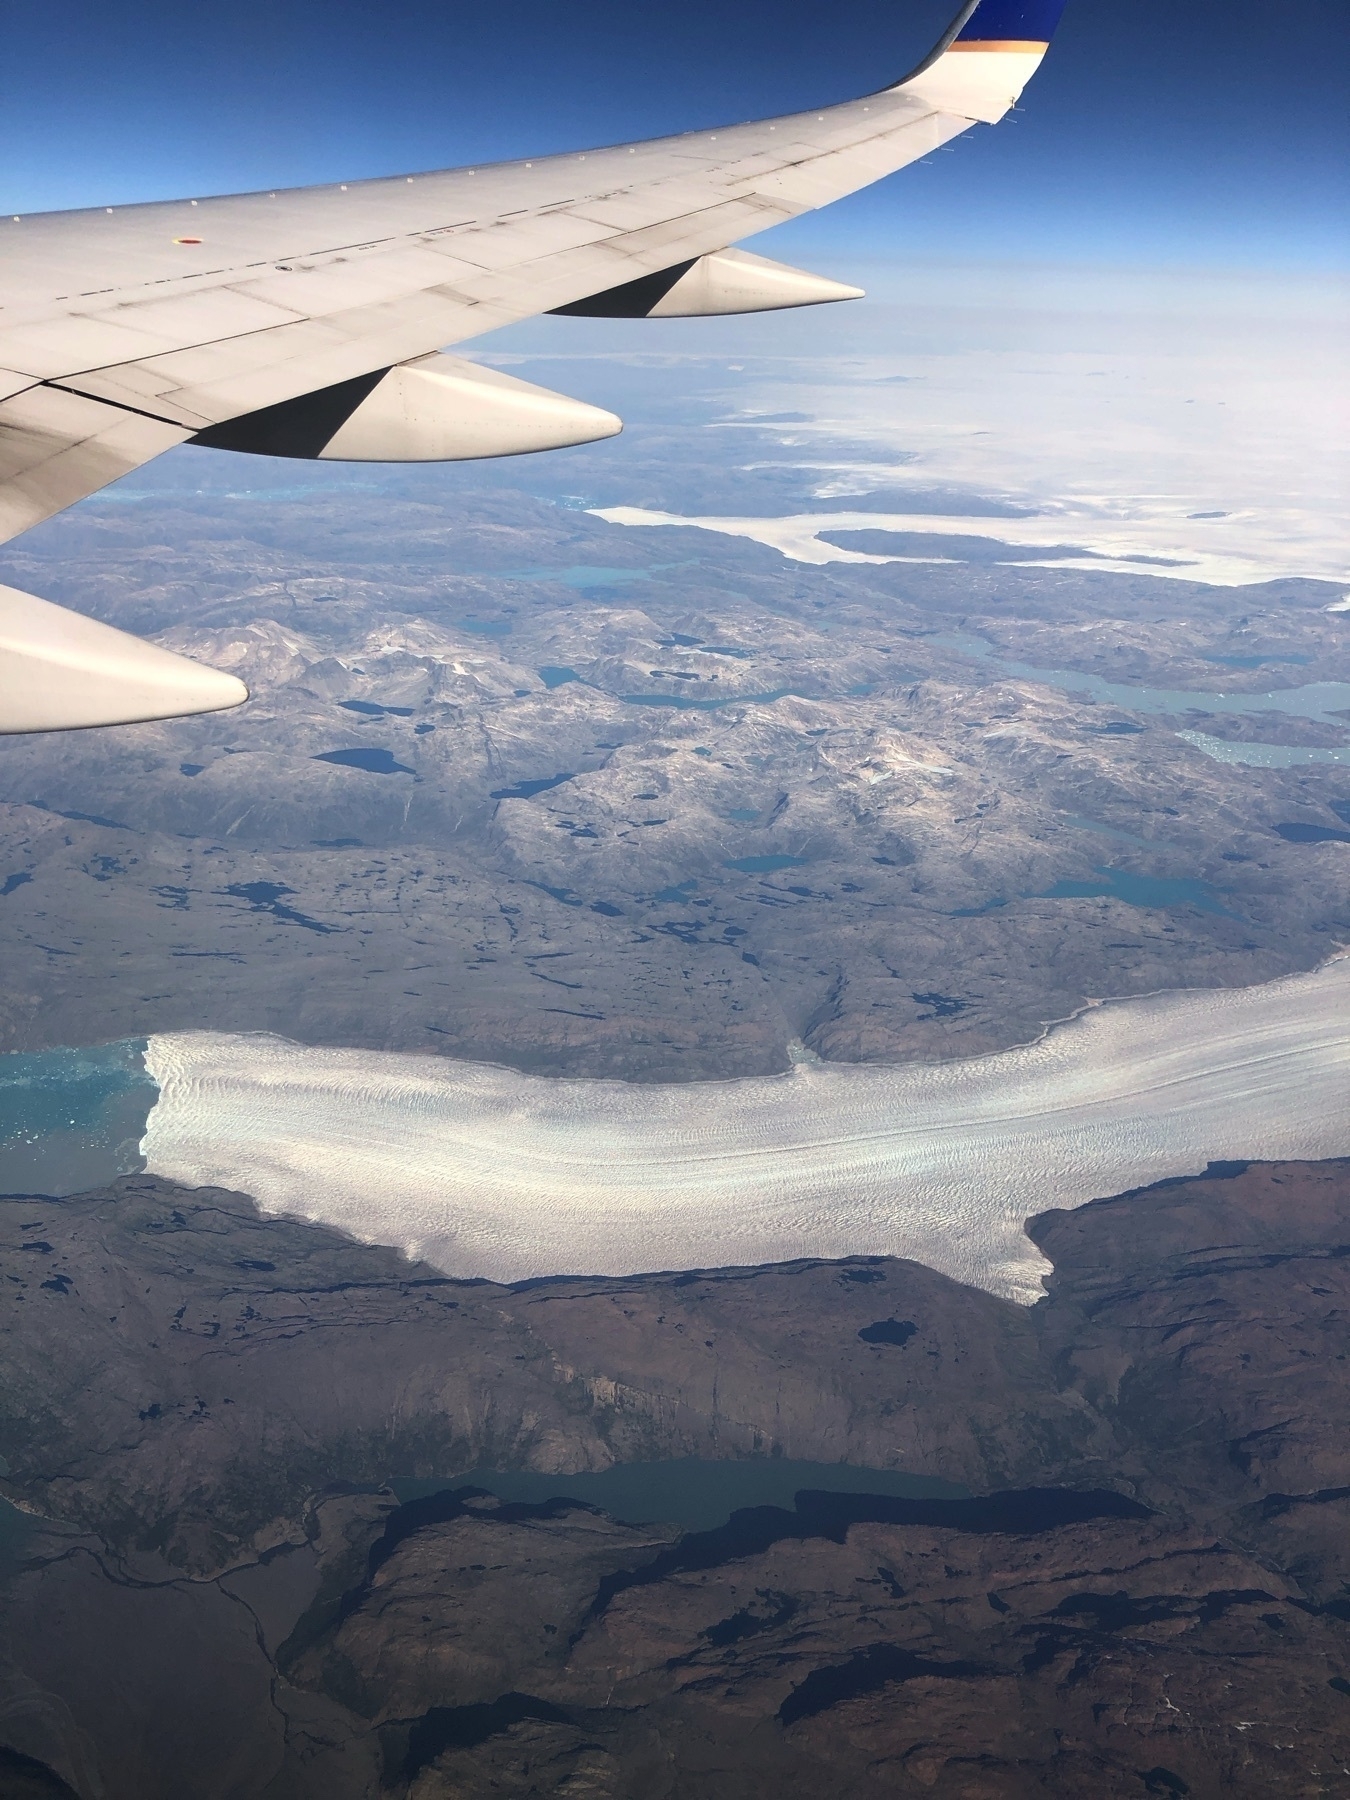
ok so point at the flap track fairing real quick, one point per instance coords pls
(437, 409)
(60, 671)
(729, 281)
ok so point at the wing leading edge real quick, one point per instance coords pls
(129, 330)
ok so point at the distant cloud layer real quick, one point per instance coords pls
(1190, 427)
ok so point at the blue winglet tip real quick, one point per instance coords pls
(1012, 22)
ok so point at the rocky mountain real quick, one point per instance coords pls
(518, 784)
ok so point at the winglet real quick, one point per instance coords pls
(1010, 25)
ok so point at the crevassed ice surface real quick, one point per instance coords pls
(487, 1172)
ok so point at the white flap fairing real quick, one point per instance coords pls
(60, 670)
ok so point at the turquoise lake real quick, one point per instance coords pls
(1141, 890)
(71, 1120)
(1327, 701)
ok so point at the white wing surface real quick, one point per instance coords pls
(268, 321)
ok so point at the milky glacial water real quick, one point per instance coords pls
(1263, 756)
(72, 1119)
(487, 1172)
(1327, 700)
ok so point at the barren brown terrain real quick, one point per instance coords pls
(213, 1591)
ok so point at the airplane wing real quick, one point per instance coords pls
(308, 322)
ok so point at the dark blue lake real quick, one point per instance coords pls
(1298, 831)
(526, 790)
(694, 1492)
(371, 761)
(371, 709)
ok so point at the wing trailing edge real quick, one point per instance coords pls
(58, 446)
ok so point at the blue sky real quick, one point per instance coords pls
(1156, 133)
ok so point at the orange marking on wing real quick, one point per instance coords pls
(1024, 45)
